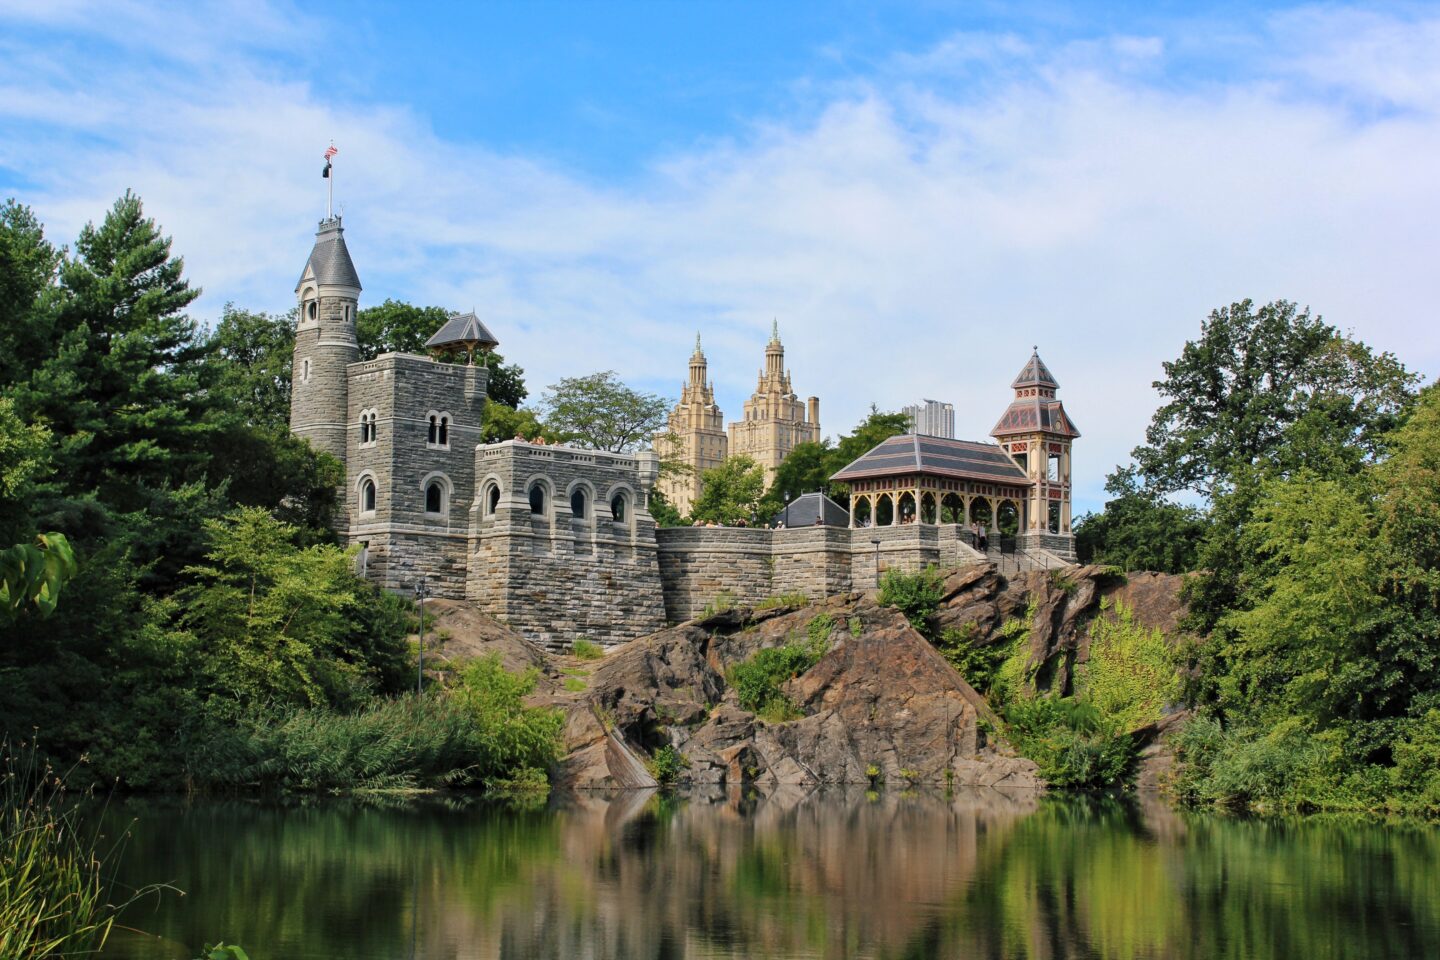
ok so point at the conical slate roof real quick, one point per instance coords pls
(1035, 374)
(463, 330)
(330, 263)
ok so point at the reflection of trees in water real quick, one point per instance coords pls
(828, 874)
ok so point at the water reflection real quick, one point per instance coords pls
(796, 874)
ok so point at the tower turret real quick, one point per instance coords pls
(1037, 433)
(325, 343)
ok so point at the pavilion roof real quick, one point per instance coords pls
(936, 456)
(802, 511)
(463, 330)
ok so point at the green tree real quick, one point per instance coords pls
(121, 387)
(28, 269)
(730, 492)
(398, 327)
(806, 468)
(1269, 388)
(600, 412)
(501, 422)
(271, 622)
(1140, 530)
(251, 355)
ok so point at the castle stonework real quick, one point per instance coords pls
(774, 418)
(559, 543)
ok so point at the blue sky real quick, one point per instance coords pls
(917, 191)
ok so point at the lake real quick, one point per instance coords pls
(829, 873)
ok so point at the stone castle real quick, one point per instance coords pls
(558, 541)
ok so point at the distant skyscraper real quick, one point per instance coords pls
(934, 419)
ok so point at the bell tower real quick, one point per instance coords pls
(1037, 433)
(325, 343)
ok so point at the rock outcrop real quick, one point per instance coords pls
(880, 704)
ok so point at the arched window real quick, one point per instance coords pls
(313, 309)
(444, 431)
(434, 497)
(434, 429)
(492, 500)
(305, 370)
(577, 504)
(367, 496)
(537, 498)
(617, 507)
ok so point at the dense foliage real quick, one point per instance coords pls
(211, 629)
(1312, 461)
(601, 412)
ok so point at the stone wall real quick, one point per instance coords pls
(552, 575)
(402, 541)
(698, 564)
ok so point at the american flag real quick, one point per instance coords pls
(330, 151)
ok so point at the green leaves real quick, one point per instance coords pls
(31, 575)
(731, 492)
(600, 412)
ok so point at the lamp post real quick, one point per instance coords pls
(877, 563)
(421, 592)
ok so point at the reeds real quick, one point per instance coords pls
(54, 897)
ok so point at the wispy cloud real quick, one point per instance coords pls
(914, 235)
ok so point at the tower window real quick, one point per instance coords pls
(305, 370)
(313, 309)
(577, 504)
(1054, 517)
(434, 429)
(434, 497)
(367, 496)
(444, 431)
(369, 427)
(1052, 472)
(492, 500)
(537, 499)
(617, 507)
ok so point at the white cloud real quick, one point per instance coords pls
(914, 237)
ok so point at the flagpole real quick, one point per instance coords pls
(330, 188)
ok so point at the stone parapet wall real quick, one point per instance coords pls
(698, 564)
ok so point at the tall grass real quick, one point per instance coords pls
(480, 732)
(54, 897)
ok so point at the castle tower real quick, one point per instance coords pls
(694, 436)
(775, 419)
(1037, 433)
(325, 344)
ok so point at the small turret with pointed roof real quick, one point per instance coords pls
(1037, 433)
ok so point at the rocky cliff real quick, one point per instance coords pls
(880, 704)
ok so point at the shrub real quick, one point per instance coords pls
(1070, 741)
(977, 663)
(587, 649)
(917, 595)
(794, 599)
(723, 601)
(757, 681)
(480, 732)
(1130, 676)
(666, 764)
